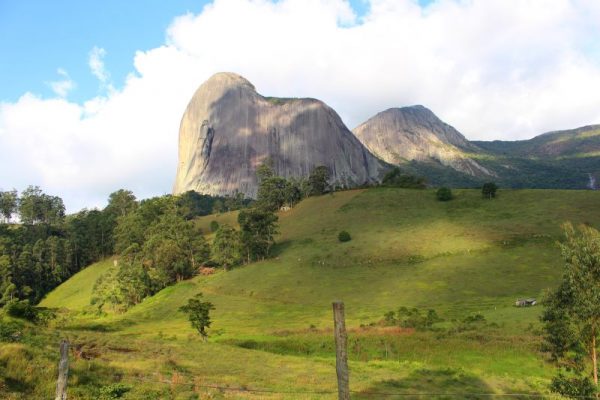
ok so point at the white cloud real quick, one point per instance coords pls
(62, 87)
(97, 67)
(495, 69)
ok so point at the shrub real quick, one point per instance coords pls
(412, 318)
(488, 190)
(114, 391)
(473, 319)
(23, 310)
(444, 194)
(395, 178)
(10, 332)
(344, 236)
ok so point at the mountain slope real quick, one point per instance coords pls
(228, 130)
(561, 159)
(464, 257)
(398, 135)
(580, 142)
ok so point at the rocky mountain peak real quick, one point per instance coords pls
(411, 133)
(228, 130)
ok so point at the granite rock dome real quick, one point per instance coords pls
(228, 130)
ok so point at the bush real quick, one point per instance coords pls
(23, 310)
(488, 190)
(395, 178)
(412, 318)
(214, 226)
(444, 194)
(114, 391)
(474, 319)
(344, 236)
(10, 332)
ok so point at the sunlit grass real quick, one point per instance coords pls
(461, 257)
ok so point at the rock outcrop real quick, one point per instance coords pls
(228, 130)
(415, 133)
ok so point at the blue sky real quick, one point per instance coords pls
(40, 36)
(92, 92)
(37, 37)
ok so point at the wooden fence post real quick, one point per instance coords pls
(63, 371)
(341, 351)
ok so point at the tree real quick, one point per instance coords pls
(192, 204)
(265, 170)
(395, 178)
(198, 313)
(344, 236)
(273, 193)
(572, 315)
(235, 202)
(121, 203)
(444, 194)
(37, 207)
(257, 228)
(226, 247)
(488, 190)
(8, 204)
(129, 230)
(318, 180)
(218, 207)
(7, 287)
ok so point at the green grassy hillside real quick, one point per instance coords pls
(272, 326)
(75, 294)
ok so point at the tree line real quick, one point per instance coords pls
(41, 246)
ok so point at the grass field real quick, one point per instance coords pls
(272, 327)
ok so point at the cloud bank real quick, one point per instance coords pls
(494, 69)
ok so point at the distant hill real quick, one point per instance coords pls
(581, 142)
(561, 159)
(418, 141)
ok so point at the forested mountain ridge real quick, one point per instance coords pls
(567, 159)
(579, 142)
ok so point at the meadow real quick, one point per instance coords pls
(272, 333)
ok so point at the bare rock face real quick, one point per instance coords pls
(228, 130)
(415, 133)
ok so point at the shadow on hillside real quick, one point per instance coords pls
(112, 326)
(430, 384)
(280, 247)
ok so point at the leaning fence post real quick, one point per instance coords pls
(341, 351)
(63, 371)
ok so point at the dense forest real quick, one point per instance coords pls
(40, 246)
